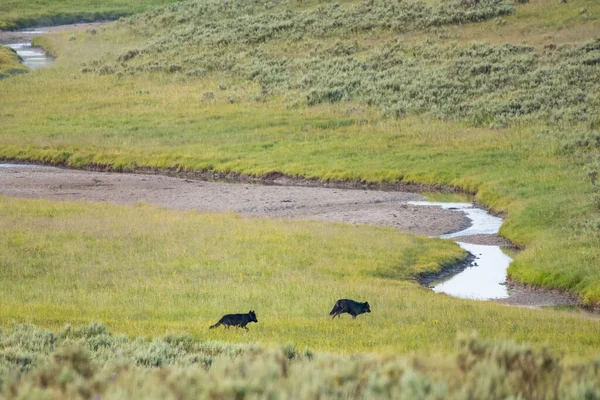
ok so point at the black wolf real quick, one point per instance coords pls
(351, 307)
(237, 320)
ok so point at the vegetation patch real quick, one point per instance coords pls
(17, 14)
(143, 270)
(88, 361)
(10, 63)
(326, 54)
(515, 123)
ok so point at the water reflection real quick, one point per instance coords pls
(33, 57)
(485, 278)
(20, 41)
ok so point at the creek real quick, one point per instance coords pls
(485, 277)
(32, 57)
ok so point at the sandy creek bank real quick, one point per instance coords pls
(369, 207)
(337, 205)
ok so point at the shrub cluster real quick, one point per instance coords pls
(89, 362)
(218, 23)
(295, 52)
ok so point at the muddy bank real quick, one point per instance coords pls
(428, 279)
(525, 295)
(485, 240)
(368, 207)
(356, 206)
(273, 178)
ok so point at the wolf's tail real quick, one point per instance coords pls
(336, 308)
(215, 325)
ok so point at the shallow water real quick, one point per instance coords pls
(485, 278)
(33, 57)
(482, 281)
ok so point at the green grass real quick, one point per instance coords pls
(143, 270)
(17, 14)
(9, 63)
(158, 91)
(165, 122)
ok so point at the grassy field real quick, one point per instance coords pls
(152, 91)
(16, 14)
(9, 63)
(147, 271)
(88, 361)
(497, 98)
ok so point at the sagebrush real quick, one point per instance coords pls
(89, 362)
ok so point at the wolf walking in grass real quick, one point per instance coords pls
(351, 307)
(237, 320)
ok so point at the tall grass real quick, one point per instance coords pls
(88, 361)
(148, 271)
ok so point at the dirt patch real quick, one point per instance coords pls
(368, 207)
(275, 178)
(531, 296)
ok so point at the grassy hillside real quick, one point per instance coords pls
(88, 361)
(10, 63)
(148, 271)
(376, 91)
(326, 55)
(16, 14)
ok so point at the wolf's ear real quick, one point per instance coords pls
(251, 312)
(366, 303)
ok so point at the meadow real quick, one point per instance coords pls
(512, 123)
(142, 270)
(494, 97)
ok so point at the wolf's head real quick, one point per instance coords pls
(367, 307)
(252, 316)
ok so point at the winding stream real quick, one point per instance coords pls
(484, 279)
(32, 57)
(481, 278)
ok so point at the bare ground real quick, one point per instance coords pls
(366, 207)
(355, 206)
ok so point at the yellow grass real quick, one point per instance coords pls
(142, 270)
